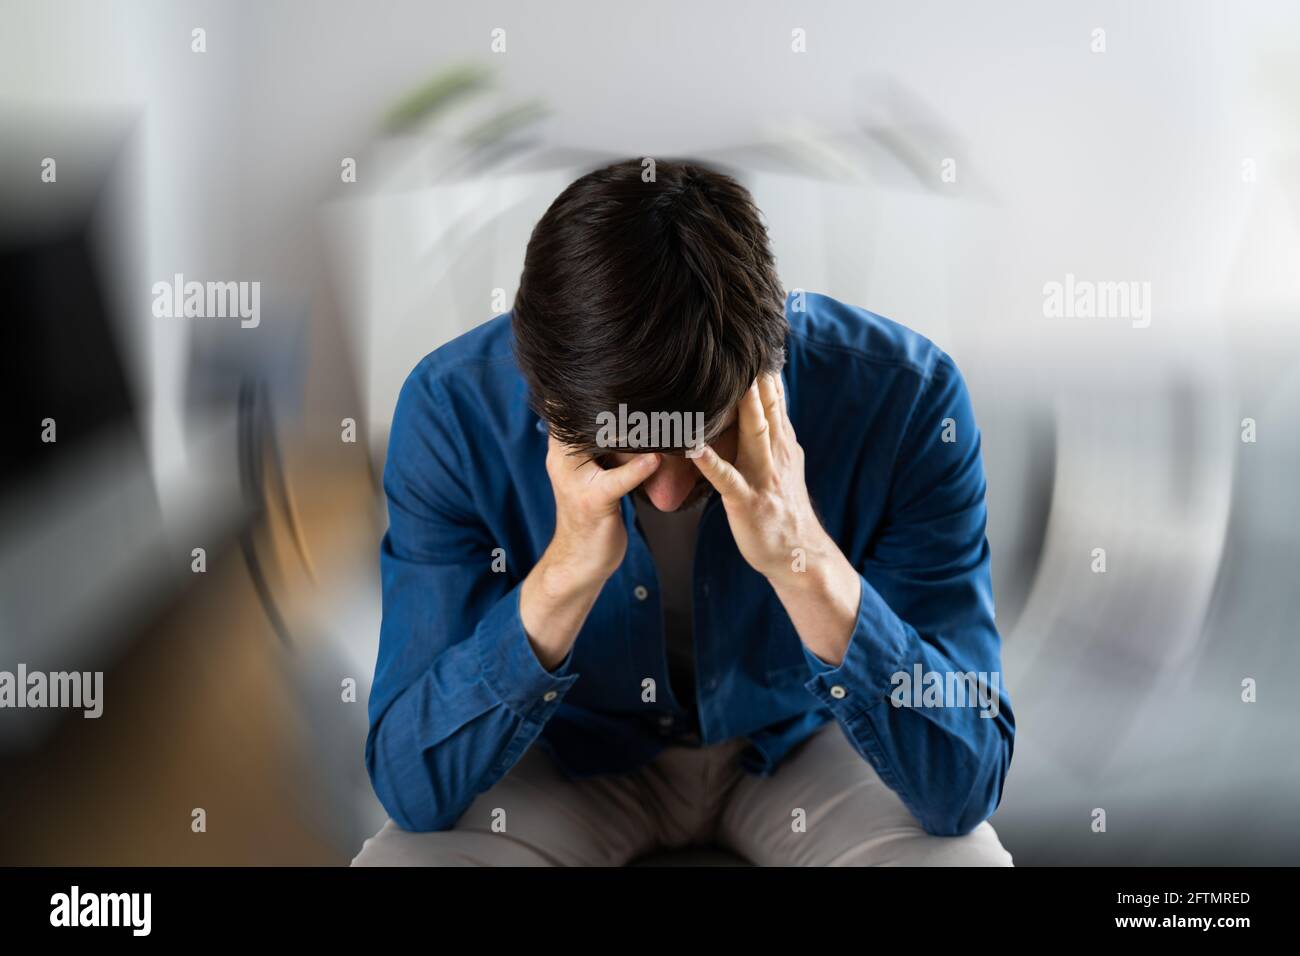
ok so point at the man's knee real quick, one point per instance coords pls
(393, 846)
(915, 847)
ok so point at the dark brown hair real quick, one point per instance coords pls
(661, 295)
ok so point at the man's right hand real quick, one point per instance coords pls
(590, 539)
(587, 547)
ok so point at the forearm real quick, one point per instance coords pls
(424, 763)
(822, 600)
(946, 758)
(443, 719)
(554, 601)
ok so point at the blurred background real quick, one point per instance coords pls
(936, 162)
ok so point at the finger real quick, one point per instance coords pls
(557, 455)
(769, 394)
(614, 483)
(778, 414)
(778, 383)
(725, 479)
(563, 451)
(568, 462)
(754, 452)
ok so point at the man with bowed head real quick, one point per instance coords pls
(692, 642)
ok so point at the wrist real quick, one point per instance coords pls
(564, 575)
(554, 600)
(810, 568)
(823, 603)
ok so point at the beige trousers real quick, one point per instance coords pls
(691, 795)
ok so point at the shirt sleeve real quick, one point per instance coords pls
(927, 607)
(458, 694)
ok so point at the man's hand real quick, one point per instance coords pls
(774, 525)
(589, 535)
(587, 547)
(764, 492)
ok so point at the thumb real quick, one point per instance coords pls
(616, 482)
(723, 476)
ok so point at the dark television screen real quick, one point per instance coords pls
(58, 357)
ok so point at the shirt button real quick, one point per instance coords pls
(665, 721)
(641, 592)
(838, 692)
(550, 695)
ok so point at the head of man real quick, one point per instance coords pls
(642, 298)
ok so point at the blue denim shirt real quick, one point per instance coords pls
(894, 469)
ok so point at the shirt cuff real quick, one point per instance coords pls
(510, 666)
(877, 648)
(817, 665)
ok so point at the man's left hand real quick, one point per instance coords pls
(764, 492)
(774, 525)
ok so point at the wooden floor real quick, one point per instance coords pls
(198, 714)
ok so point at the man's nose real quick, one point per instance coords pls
(668, 487)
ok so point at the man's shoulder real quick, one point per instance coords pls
(475, 373)
(460, 386)
(855, 338)
(486, 348)
(870, 376)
